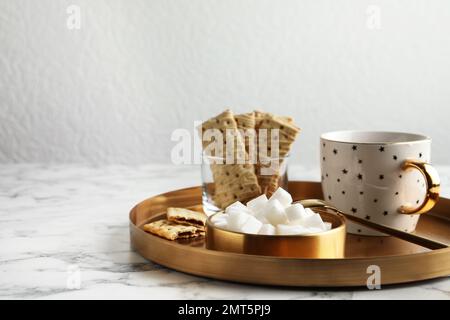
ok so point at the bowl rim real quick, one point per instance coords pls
(339, 228)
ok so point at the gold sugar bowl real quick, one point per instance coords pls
(328, 244)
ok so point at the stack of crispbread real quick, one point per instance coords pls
(245, 176)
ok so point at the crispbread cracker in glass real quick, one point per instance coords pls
(234, 181)
(287, 134)
(246, 125)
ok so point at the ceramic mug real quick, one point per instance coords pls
(384, 177)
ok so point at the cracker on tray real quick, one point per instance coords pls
(172, 231)
(187, 217)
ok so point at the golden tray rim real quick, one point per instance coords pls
(266, 270)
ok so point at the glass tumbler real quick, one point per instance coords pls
(267, 179)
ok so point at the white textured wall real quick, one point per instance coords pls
(113, 91)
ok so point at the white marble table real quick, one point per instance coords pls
(66, 226)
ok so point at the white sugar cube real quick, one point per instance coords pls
(284, 229)
(314, 230)
(314, 221)
(252, 225)
(309, 212)
(283, 196)
(221, 224)
(274, 216)
(274, 212)
(260, 216)
(221, 220)
(296, 212)
(236, 220)
(219, 217)
(267, 229)
(295, 223)
(237, 206)
(258, 203)
(236, 210)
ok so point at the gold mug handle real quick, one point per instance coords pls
(433, 184)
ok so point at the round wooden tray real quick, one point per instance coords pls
(399, 260)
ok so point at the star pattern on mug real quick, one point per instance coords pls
(359, 176)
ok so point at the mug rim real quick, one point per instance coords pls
(415, 137)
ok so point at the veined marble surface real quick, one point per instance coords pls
(64, 235)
